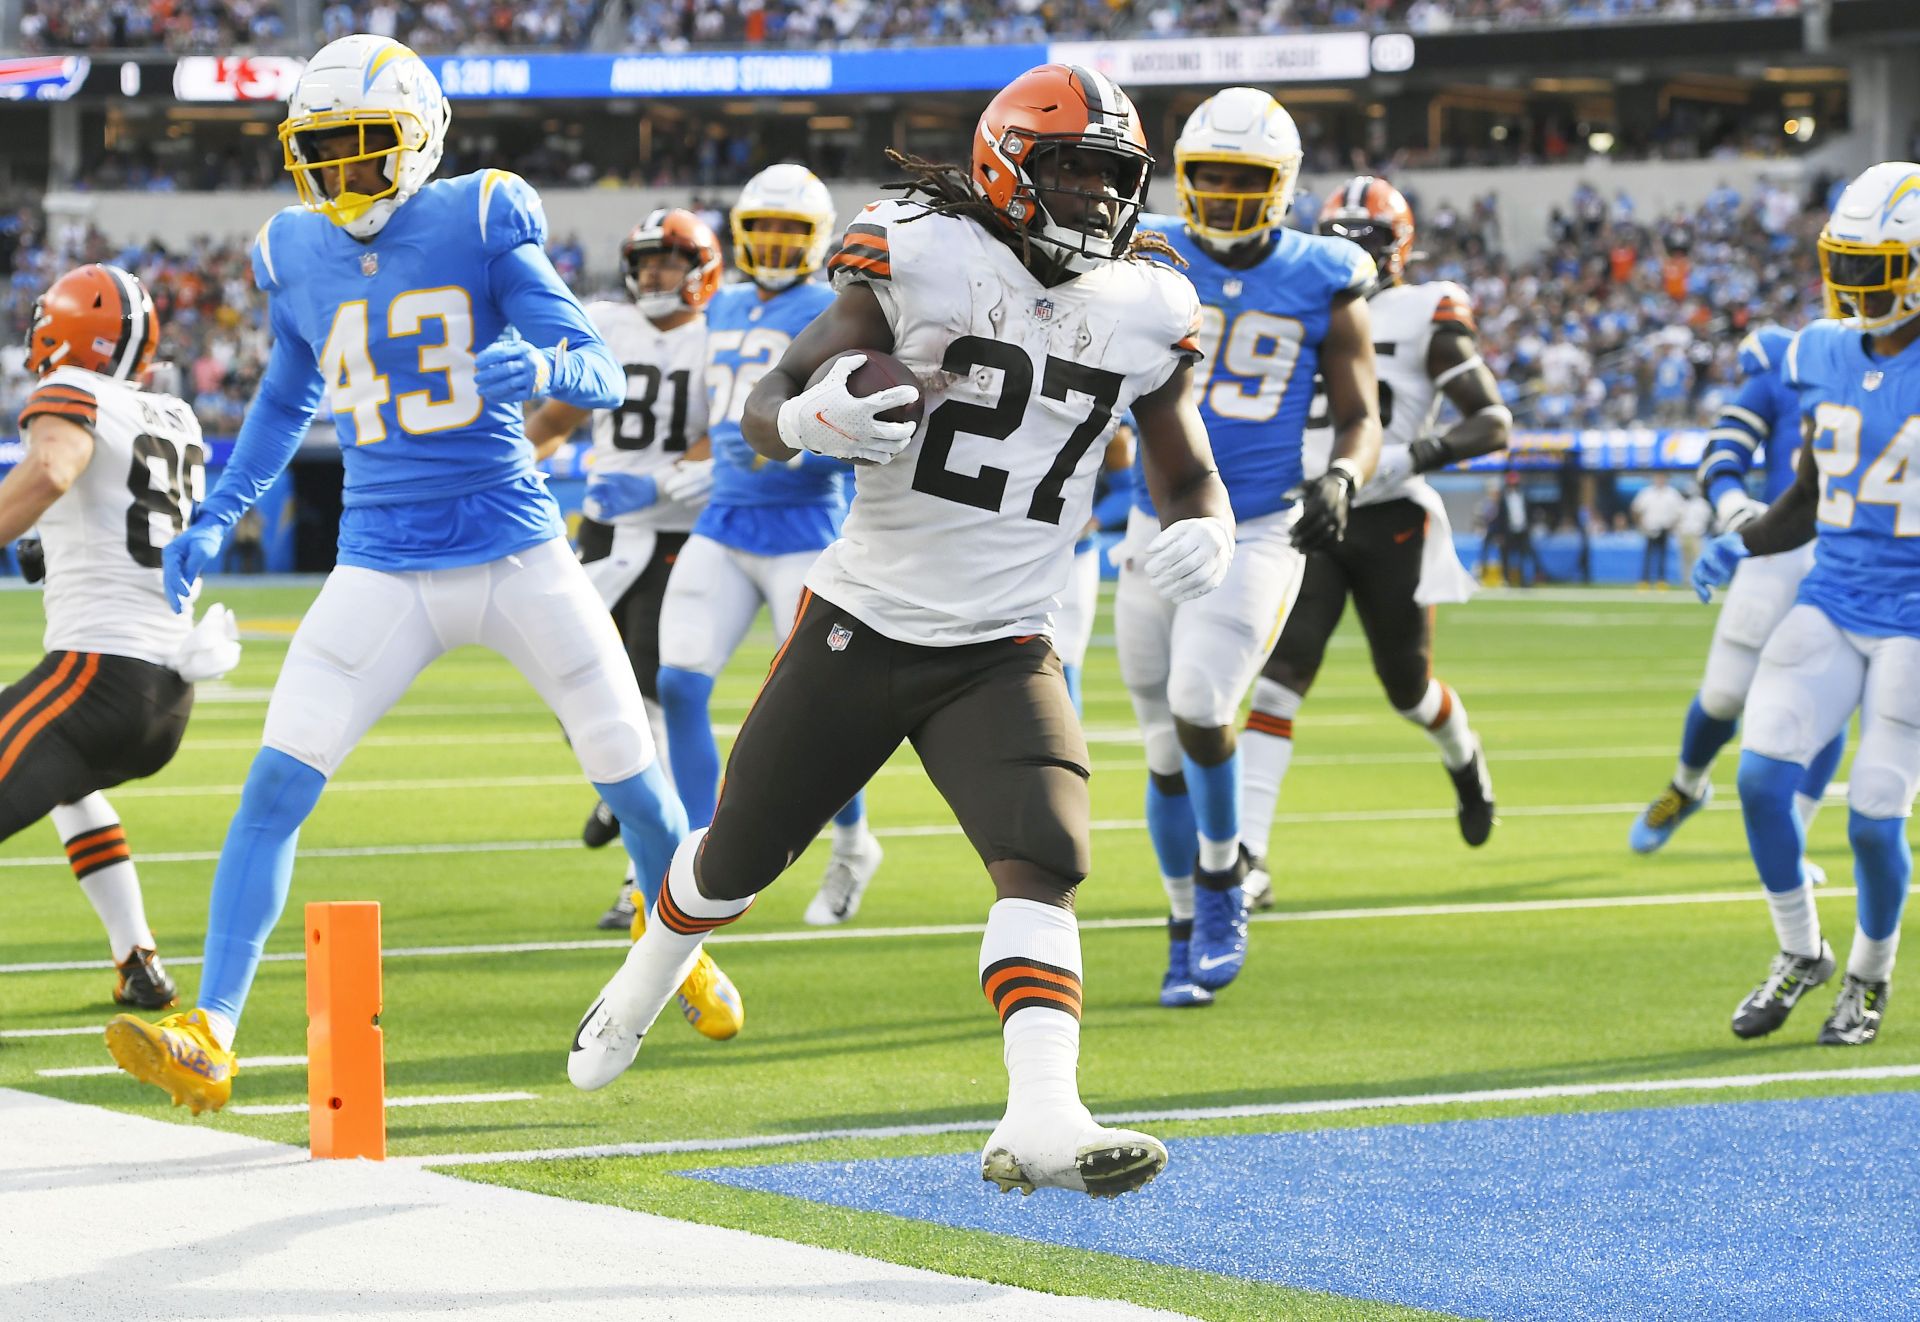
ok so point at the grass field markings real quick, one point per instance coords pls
(438, 1099)
(1261, 1110)
(83, 1030)
(787, 937)
(248, 1063)
(435, 784)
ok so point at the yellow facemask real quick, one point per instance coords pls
(759, 253)
(1250, 210)
(408, 133)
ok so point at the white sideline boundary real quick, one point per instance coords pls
(974, 929)
(242, 1228)
(1324, 1106)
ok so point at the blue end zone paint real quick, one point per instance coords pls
(1710, 1213)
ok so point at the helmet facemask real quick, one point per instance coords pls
(385, 136)
(1248, 215)
(1064, 216)
(657, 299)
(1872, 286)
(776, 258)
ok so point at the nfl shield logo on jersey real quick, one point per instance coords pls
(838, 637)
(1231, 287)
(1872, 380)
(1043, 309)
(369, 263)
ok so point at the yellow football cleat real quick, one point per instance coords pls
(708, 998)
(178, 1055)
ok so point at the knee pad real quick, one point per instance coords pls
(309, 716)
(280, 791)
(1767, 784)
(614, 746)
(1201, 699)
(1878, 790)
(1730, 669)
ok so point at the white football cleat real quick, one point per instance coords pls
(1069, 1152)
(602, 1049)
(844, 883)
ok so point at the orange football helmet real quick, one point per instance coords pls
(96, 317)
(1371, 212)
(1044, 110)
(679, 231)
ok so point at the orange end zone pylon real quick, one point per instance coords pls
(346, 1057)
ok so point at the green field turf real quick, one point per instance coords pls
(1578, 701)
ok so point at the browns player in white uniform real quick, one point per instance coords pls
(650, 471)
(1015, 293)
(111, 473)
(1397, 561)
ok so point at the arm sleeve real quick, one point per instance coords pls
(1740, 429)
(525, 285)
(277, 419)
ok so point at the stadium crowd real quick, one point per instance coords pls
(1625, 318)
(227, 26)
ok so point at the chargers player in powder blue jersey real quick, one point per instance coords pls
(1278, 306)
(1852, 639)
(421, 315)
(1760, 426)
(765, 523)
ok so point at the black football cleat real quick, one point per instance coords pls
(620, 917)
(143, 982)
(1855, 1020)
(1789, 978)
(601, 830)
(1473, 787)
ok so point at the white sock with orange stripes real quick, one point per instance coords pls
(1266, 750)
(663, 956)
(97, 852)
(1030, 971)
(1444, 717)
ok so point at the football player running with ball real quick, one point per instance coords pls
(1765, 414)
(1397, 561)
(1852, 639)
(423, 314)
(1016, 292)
(111, 473)
(1277, 306)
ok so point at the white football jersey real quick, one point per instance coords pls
(104, 536)
(968, 535)
(1404, 318)
(665, 410)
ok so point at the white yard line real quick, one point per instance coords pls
(443, 1099)
(1357, 914)
(1324, 1106)
(278, 1235)
(84, 1030)
(246, 1063)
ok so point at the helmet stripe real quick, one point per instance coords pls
(1105, 102)
(128, 346)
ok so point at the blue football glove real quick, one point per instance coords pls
(1718, 559)
(612, 494)
(185, 558)
(511, 370)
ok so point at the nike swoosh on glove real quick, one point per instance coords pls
(511, 370)
(1189, 559)
(828, 419)
(1324, 501)
(185, 558)
(610, 495)
(1718, 559)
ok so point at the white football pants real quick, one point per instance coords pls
(1759, 597)
(713, 595)
(1812, 675)
(1193, 662)
(369, 633)
(1079, 602)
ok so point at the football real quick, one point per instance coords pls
(879, 372)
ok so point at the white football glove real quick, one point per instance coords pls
(687, 481)
(1190, 558)
(210, 649)
(828, 419)
(1395, 465)
(1736, 509)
